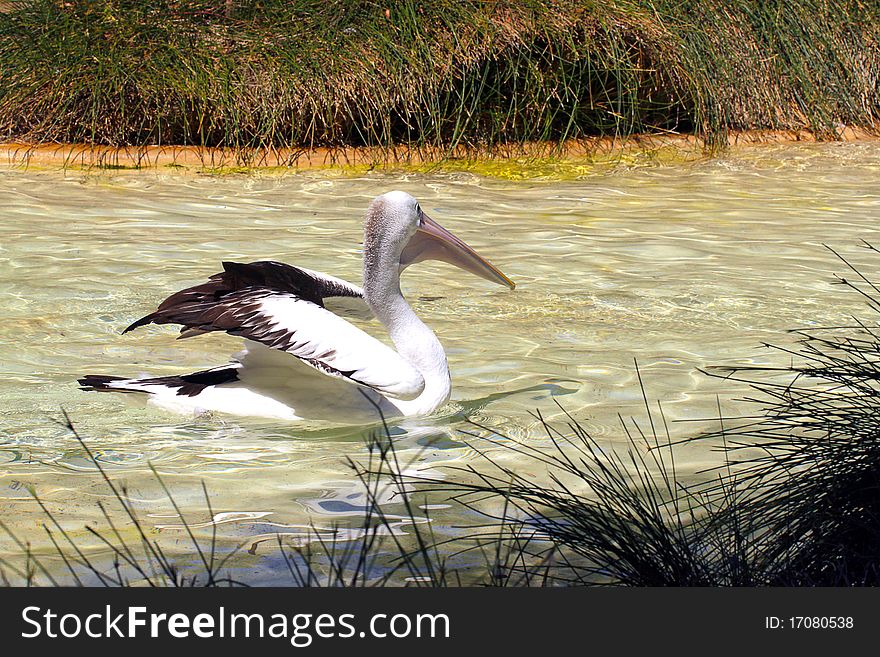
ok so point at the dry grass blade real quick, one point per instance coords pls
(444, 77)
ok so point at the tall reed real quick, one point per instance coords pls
(438, 76)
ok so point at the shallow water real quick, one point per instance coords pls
(679, 267)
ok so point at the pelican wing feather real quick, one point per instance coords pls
(282, 307)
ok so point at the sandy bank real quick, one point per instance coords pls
(220, 160)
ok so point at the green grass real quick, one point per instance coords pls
(434, 75)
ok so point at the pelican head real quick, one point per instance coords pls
(396, 230)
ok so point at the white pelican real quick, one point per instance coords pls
(301, 360)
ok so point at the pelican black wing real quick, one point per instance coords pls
(202, 307)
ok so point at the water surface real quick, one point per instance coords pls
(679, 267)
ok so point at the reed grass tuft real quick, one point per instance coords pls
(437, 76)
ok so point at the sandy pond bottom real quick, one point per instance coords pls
(679, 267)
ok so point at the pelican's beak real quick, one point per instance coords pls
(433, 242)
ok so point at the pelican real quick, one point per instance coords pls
(302, 360)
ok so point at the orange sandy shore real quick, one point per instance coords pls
(198, 158)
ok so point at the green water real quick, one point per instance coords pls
(679, 267)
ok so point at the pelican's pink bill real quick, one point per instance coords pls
(433, 242)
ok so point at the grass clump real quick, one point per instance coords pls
(794, 503)
(815, 485)
(436, 76)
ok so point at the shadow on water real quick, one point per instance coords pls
(548, 390)
(435, 431)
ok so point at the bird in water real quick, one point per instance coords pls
(302, 360)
